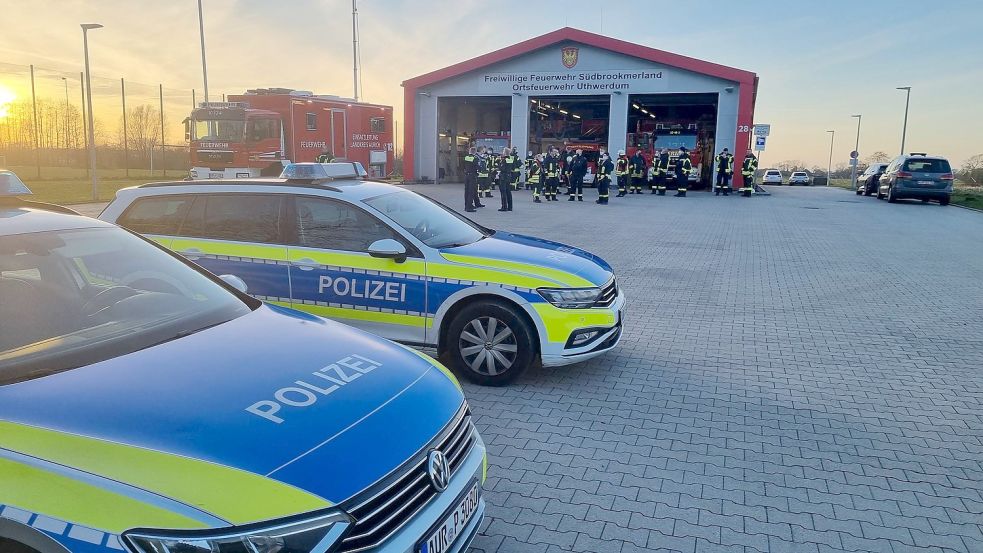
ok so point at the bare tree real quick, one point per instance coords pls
(972, 170)
(878, 157)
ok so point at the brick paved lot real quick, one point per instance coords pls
(802, 372)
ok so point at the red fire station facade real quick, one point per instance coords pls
(572, 87)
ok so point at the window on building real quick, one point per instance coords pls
(377, 124)
(312, 121)
(332, 225)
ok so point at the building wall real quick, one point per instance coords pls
(589, 60)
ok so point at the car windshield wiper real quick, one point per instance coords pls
(183, 334)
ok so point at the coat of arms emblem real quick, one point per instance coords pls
(569, 56)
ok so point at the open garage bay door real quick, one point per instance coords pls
(675, 120)
(464, 121)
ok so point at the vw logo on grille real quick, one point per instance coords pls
(437, 470)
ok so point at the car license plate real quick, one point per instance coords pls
(926, 182)
(215, 175)
(443, 536)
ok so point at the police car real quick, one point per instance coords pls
(387, 260)
(147, 406)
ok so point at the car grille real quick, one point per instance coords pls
(608, 294)
(382, 512)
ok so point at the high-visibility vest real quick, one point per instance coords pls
(684, 164)
(535, 169)
(728, 163)
(552, 167)
(483, 166)
(637, 170)
(750, 166)
(621, 168)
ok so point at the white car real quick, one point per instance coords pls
(799, 177)
(772, 176)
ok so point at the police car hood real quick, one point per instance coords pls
(313, 404)
(527, 254)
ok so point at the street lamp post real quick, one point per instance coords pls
(853, 174)
(201, 33)
(829, 168)
(904, 129)
(88, 100)
(67, 107)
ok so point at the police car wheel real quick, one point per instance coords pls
(490, 344)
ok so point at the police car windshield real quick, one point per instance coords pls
(430, 222)
(75, 297)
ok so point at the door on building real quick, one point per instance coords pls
(339, 133)
(465, 121)
(672, 121)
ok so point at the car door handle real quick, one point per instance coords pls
(305, 264)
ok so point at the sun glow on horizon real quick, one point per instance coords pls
(7, 96)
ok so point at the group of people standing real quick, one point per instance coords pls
(545, 172)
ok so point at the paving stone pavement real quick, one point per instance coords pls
(802, 372)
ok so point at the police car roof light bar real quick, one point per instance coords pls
(11, 185)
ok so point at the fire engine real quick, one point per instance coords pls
(649, 136)
(256, 133)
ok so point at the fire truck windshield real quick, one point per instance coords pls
(674, 142)
(224, 130)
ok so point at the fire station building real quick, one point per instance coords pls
(572, 87)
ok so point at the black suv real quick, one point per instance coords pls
(917, 176)
(867, 182)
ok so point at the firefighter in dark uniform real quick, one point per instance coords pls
(516, 169)
(565, 159)
(604, 169)
(471, 169)
(534, 177)
(506, 165)
(748, 168)
(577, 169)
(484, 171)
(492, 172)
(621, 171)
(530, 159)
(724, 162)
(662, 172)
(683, 168)
(636, 171)
(551, 167)
(325, 157)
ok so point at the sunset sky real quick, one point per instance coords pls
(818, 63)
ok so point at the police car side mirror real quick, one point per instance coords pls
(234, 282)
(389, 249)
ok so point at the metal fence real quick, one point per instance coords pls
(137, 125)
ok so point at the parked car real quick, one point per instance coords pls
(917, 176)
(868, 182)
(392, 262)
(149, 406)
(799, 177)
(772, 176)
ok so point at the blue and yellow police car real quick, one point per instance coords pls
(148, 406)
(323, 240)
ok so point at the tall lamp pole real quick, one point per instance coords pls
(853, 174)
(201, 33)
(829, 168)
(67, 107)
(904, 130)
(88, 100)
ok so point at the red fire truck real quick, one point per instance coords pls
(255, 133)
(650, 136)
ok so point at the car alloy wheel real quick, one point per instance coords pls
(488, 346)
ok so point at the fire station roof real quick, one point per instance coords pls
(569, 34)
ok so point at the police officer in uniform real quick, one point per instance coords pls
(748, 168)
(604, 169)
(552, 169)
(534, 176)
(471, 169)
(683, 168)
(724, 162)
(621, 171)
(505, 167)
(636, 170)
(578, 168)
(516, 169)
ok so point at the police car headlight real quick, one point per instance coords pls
(570, 298)
(314, 535)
